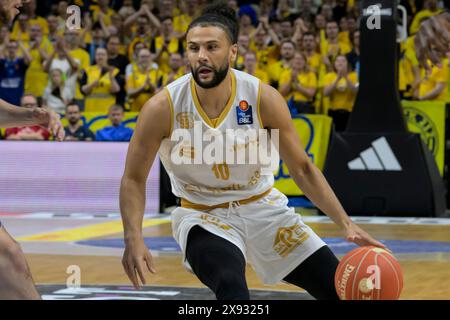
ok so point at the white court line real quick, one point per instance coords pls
(311, 219)
(384, 220)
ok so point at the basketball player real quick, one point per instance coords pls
(15, 277)
(432, 41)
(230, 213)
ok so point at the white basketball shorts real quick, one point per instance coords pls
(271, 236)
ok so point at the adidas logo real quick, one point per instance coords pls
(379, 157)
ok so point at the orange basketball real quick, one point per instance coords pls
(368, 273)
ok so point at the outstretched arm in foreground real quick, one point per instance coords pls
(12, 116)
(152, 126)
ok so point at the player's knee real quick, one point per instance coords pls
(12, 259)
(231, 285)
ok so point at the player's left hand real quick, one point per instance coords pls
(354, 233)
(50, 120)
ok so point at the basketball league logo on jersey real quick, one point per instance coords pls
(244, 113)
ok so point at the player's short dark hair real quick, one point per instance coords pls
(219, 14)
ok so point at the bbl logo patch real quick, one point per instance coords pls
(419, 122)
(244, 113)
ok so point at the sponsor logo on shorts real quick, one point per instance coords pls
(289, 238)
(207, 219)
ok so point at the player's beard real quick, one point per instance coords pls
(218, 77)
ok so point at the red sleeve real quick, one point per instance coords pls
(44, 132)
(11, 131)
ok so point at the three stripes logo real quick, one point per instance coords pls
(379, 157)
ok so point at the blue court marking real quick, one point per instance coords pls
(337, 245)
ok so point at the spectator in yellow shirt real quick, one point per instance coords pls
(168, 42)
(104, 12)
(243, 47)
(168, 8)
(344, 34)
(54, 30)
(245, 24)
(81, 57)
(341, 86)
(22, 31)
(309, 46)
(275, 69)
(434, 83)
(320, 24)
(331, 47)
(176, 69)
(36, 78)
(266, 52)
(430, 9)
(143, 25)
(144, 82)
(408, 72)
(30, 11)
(251, 67)
(132, 66)
(190, 10)
(100, 84)
(286, 29)
(299, 85)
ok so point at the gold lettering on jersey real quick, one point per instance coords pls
(187, 151)
(207, 219)
(245, 146)
(231, 187)
(231, 146)
(192, 188)
(289, 238)
(221, 171)
(185, 120)
(254, 179)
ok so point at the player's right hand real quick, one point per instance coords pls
(136, 259)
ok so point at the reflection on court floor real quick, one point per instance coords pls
(54, 292)
(94, 244)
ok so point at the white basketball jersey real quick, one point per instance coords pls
(192, 155)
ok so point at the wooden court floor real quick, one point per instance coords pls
(426, 275)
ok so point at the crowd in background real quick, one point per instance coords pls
(126, 51)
